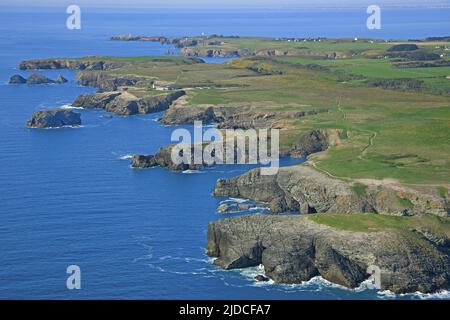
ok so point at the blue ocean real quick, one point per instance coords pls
(69, 197)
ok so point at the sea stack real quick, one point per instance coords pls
(54, 119)
(37, 78)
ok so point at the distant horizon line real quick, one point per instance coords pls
(230, 7)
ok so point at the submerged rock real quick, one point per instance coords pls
(37, 78)
(294, 249)
(54, 119)
(17, 79)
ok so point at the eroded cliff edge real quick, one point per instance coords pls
(306, 190)
(294, 248)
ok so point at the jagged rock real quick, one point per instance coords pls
(304, 189)
(54, 118)
(310, 142)
(60, 79)
(37, 78)
(141, 161)
(17, 79)
(293, 249)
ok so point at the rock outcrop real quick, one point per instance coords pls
(211, 53)
(163, 158)
(106, 82)
(60, 79)
(306, 190)
(74, 64)
(37, 78)
(54, 119)
(17, 79)
(232, 116)
(124, 103)
(293, 249)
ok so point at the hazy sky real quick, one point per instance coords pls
(228, 3)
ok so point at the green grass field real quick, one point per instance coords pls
(396, 133)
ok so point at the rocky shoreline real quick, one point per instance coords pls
(303, 189)
(294, 249)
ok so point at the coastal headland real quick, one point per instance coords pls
(370, 116)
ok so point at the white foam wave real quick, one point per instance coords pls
(126, 157)
(191, 171)
(69, 107)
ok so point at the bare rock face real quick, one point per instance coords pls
(123, 104)
(95, 100)
(304, 189)
(295, 249)
(54, 119)
(17, 79)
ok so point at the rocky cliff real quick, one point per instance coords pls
(106, 82)
(293, 249)
(233, 116)
(124, 103)
(304, 189)
(75, 64)
(163, 158)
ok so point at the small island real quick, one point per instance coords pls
(55, 118)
